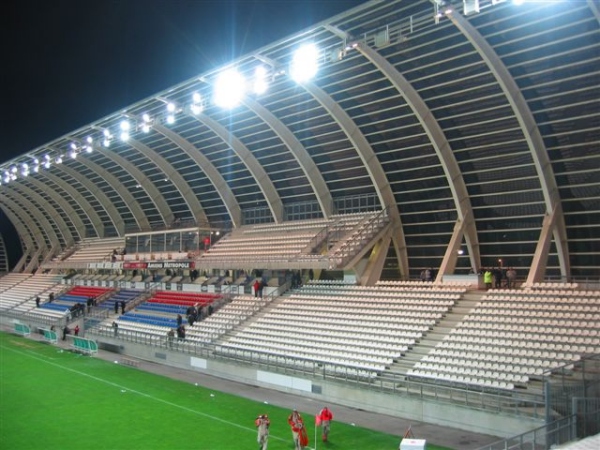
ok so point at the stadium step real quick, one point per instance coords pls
(461, 309)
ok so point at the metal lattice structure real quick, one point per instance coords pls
(478, 132)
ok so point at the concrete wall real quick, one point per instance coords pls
(407, 407)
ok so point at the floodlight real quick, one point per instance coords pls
(229, 89)
(170, 119)
(146, 117)
(125, 126)
(59, 159)
(89, 139)
(145, 127)
(107, 133)
(73, 145)
(106, 143)
(171, 107)
(260, 80)
(124, 136)
(73, 154)
(305, 63)
(196, 106)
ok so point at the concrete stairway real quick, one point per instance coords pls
(458, 312)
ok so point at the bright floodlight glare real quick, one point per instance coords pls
(107, 133)
(125, 125)
(260, 80)
(73, 154)
(145, 128)
(229, 89)
(73, 145)
(146, 117)
(196, 98)
(106, 143)
(89, 139)
(305, 63)
(124, 136)
(171, 107)
(196, 109)
(170, 119)
(88, 149)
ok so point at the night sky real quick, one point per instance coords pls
(67, 63)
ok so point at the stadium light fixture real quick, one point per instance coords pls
(305, 63)
(125, 126)
(196, 107)
(146, 121)
(171, 110)
(229, 89)
(260, 80)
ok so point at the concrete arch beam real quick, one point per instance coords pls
(44, 230)
(308, 166)
(265, 184)
(152, 191)
(111, 210)
(52, 214)
(89, 211)
(28, 237)
(373, 167)
(444, 153)
(184, 188)
(537, 148)
(66, 207)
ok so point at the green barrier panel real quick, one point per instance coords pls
(22, 329)
(84, 345)
(50, 336)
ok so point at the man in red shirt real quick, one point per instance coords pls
(324, 418)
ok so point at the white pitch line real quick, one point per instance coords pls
(110, 383)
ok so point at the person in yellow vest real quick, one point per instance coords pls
(487, 278)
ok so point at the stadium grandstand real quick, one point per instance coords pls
(401, 213)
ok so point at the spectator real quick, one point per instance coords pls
(497, 278)
(179, 320)
(115, 326)
(256, 287)
(123, 307)
(116, 307)
(487, 278)
(66, 330)
(50, 297)
(37, 301)
(298, 430)
(76, 330)
(170, 337)
(324, 418)
(262, 423)
(511, 278)
(210, 309)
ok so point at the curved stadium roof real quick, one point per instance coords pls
(478, 131)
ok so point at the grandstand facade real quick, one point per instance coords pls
(437, 136)
(477, 133)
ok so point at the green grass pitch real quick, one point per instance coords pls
(52, 399)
